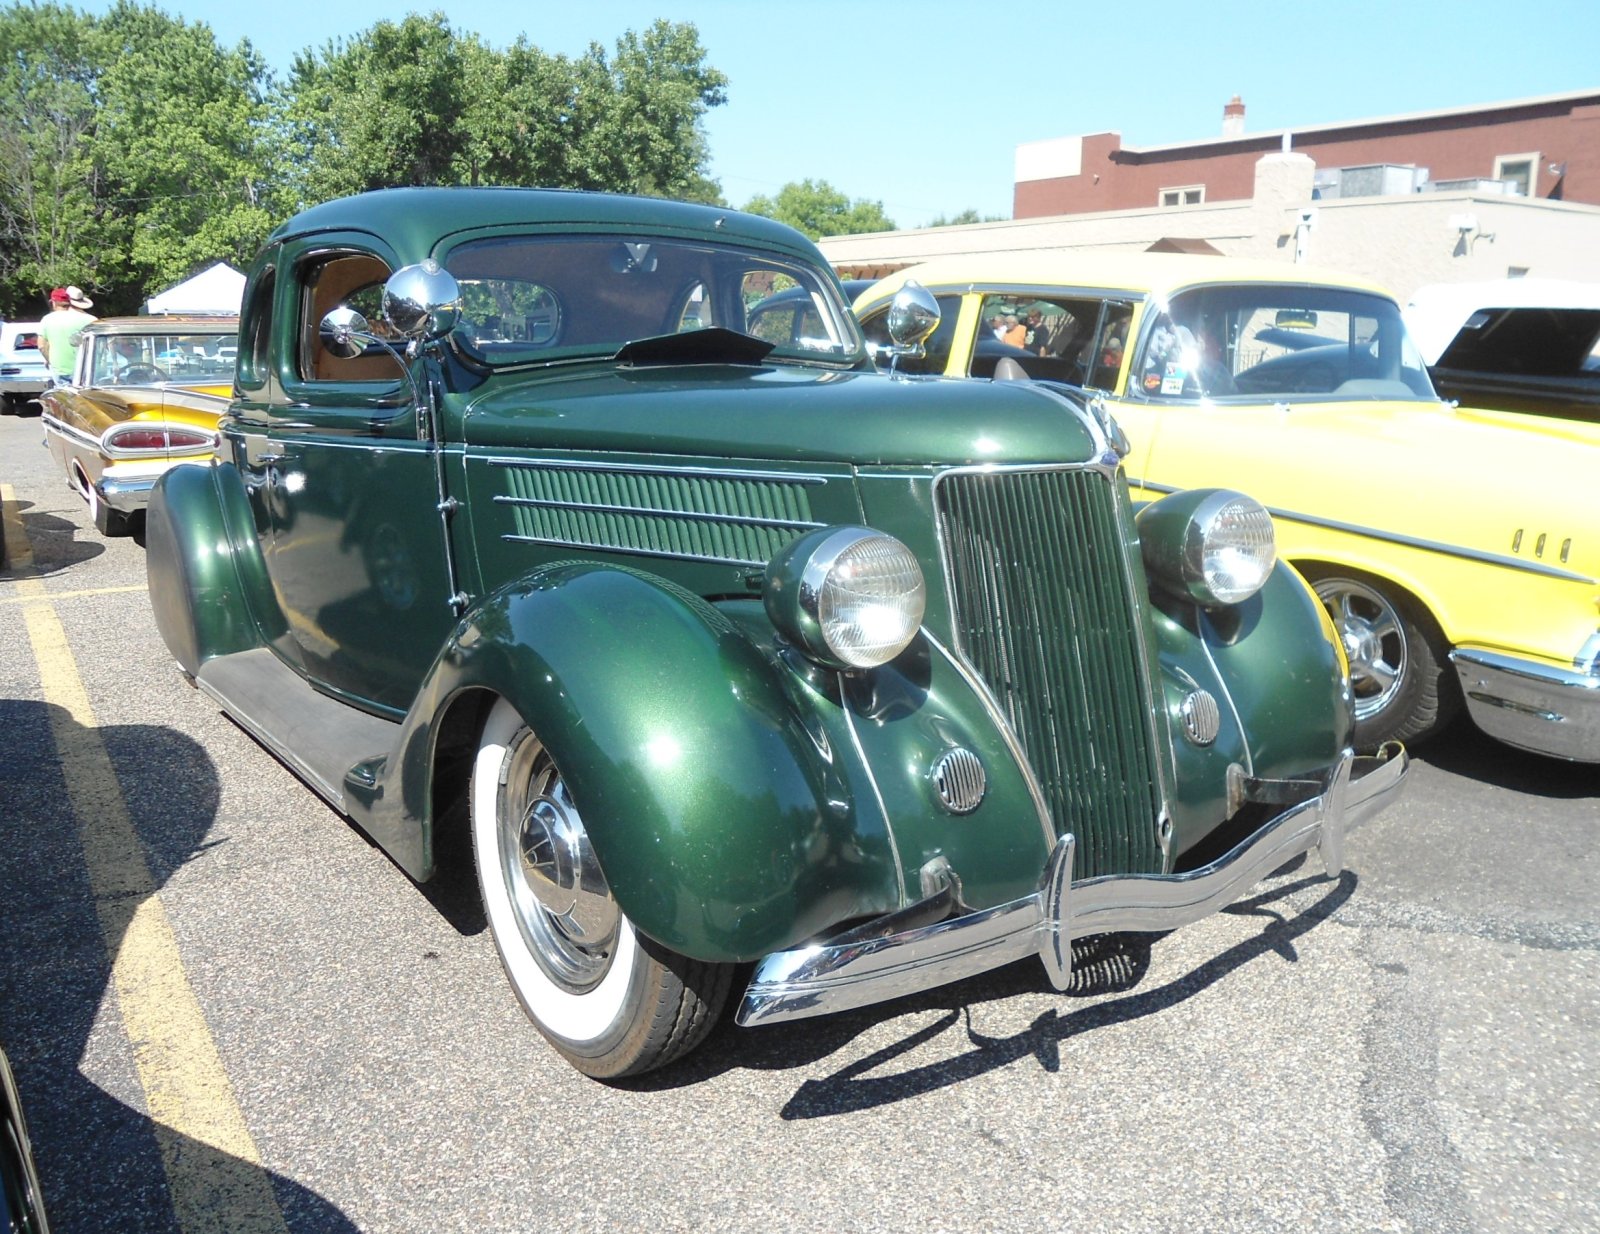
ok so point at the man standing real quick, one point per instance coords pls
(59, 330)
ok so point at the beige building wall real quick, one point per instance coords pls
(1402, 242)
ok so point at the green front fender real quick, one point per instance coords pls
(208, 583)
(727, 824)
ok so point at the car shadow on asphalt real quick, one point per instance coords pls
(1107, 968)
(100, 1157)
(53, 540)
(1464, 750)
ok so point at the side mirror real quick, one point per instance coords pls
(422, 301)
(344, 333)
(913, 316)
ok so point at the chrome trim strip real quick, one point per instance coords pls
(62, 429)
(656, 469)
(823, 978)
(877, 795)
(1003, 726)
(1428, 546)
(742, 520)
(1532, 706)
(632, 552)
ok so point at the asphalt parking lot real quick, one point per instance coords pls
(228, 1011)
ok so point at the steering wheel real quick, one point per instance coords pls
(144, 374)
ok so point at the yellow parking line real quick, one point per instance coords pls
(189, 1096)
(29, 596)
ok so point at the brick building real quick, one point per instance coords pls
(1546, 147)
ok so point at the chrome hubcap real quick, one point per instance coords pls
(1374, 642)
(563, 906)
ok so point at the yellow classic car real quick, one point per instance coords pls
(146, 394)
(1457, 551)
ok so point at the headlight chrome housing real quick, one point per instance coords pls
(1213, 546)
(849, 597)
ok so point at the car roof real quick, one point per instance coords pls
(1153, 274)
(413, 220)
(165, 323)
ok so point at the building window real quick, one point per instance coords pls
(1519, 169)
(1187, 195)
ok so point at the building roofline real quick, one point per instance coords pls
(1541, 100)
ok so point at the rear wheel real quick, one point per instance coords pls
(1399, 672)
(612, 1001)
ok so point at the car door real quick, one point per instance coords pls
(346, 480)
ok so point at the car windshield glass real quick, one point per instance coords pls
(139, 359)
(533, 299)
(1249, 344)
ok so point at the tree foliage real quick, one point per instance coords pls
(969, 215)
(415, 102)
(135, 150)
(131, 152)
(818, 209)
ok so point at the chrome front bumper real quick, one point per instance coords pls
(865, 968)
(1532, 706)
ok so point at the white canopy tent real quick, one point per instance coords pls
(218, 289)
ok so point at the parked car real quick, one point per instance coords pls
(145, 396)
(1455, 550)
(1529, 346)
(23, 371)
(725, 649)
(21, 1200)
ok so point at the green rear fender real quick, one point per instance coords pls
(719, 810)
(208, 583)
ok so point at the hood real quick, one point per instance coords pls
(777, 412)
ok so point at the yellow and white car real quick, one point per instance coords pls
(146, 395)
(1457, 551)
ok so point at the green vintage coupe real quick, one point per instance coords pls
(726, 650)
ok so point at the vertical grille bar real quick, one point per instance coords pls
(1044, 612)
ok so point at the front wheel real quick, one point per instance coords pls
(612, 1001)
(1398, 669)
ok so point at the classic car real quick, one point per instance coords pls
(1529, 345)
(145, 396)
(1456, 550)
(721, 649)
(21, 1202)
(23, 371)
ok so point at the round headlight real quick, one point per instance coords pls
(849, 597)
(1213, 546)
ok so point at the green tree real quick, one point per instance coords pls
(818, 209)
(131, 152)
(968, 215)
(418, 103)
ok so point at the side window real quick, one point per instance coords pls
(1052, 339)
(255, 332)
(349, 280)
(937, 348)
(1110, 344)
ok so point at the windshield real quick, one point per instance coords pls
(1279, 343)
(530, 299)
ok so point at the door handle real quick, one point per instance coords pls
(267, 460)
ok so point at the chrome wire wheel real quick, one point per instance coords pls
(1374, 639)
(558, 895)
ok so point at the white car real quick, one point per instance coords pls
(23, 371)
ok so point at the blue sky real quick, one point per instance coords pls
(920, 105)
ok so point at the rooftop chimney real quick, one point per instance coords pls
(1233, 118)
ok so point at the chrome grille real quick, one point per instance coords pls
(1044, 612)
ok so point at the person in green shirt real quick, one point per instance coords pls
(60, 328)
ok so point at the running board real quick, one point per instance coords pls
(320, 738)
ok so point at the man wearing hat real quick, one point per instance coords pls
(60, 329)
